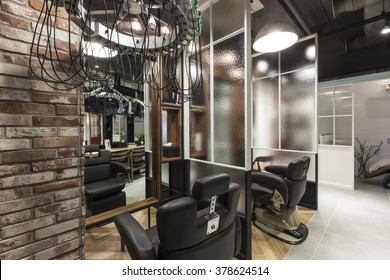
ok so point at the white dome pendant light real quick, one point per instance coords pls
(275, 37)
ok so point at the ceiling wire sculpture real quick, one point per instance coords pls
(138, 41)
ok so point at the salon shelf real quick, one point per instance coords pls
(166, 159)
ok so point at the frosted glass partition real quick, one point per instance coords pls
(229, 105)
(265, 65)
(201, 169)
(298, 109)
(325, 130)
(266, 112)
(343, 100)
(300, 55)
(284, 87)
(217, 109)
(335, 115)
(343, 130)
(325, 99)
(227, 17)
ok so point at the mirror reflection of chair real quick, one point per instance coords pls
(123, 157)
(137, 161)
(276, 195)
(202, 226)
(103, 188)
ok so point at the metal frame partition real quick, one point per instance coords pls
(287, 83)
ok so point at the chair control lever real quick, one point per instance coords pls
(212, 217)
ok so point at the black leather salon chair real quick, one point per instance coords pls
(103, 186)
(202, 226)
(277, 193)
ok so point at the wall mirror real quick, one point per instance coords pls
(120, 115)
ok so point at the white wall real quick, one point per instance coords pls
(335, 166)
(372, 115)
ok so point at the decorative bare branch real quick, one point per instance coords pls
(364, 153)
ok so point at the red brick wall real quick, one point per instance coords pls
(41, 186)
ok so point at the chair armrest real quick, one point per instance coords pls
(280, 170)
(119, 167)
(271, 182)
(137, 242)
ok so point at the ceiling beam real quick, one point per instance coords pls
(356, 24)
(289, 7)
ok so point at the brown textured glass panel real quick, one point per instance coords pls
(200, 110)
(205, 33)
(229, 101)
(298, 110)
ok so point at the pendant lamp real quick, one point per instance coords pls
(274, 37)
(386, 28)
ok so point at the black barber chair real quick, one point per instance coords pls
(276, 195)
(202, 226)
(103, 186)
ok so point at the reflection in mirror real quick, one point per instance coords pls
(114, 115)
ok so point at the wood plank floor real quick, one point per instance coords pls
(103, 242)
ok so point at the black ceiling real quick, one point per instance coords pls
(350, 42)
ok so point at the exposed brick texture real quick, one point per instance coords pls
(15, 120)
(42, 143)
(42, 203)
(15, 144)
(55, 121)
(60, 185)
(27, 156)
(15, 218)
(25, 108)
(45, 97)
(67, 110)
(12, 169)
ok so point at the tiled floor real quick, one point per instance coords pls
(135, 190)
(349, 225)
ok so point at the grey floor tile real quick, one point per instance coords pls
(334, 246)
(295, 254)
(310, 245)
(135, 190)
(362, 224)
(373, 200)
(329, 194)
(349, 224)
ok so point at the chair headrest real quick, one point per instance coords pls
(207, 187)
(91, 148)
(297, 169)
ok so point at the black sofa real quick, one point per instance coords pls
(103, 186)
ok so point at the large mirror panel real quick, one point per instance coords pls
(116, 122)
